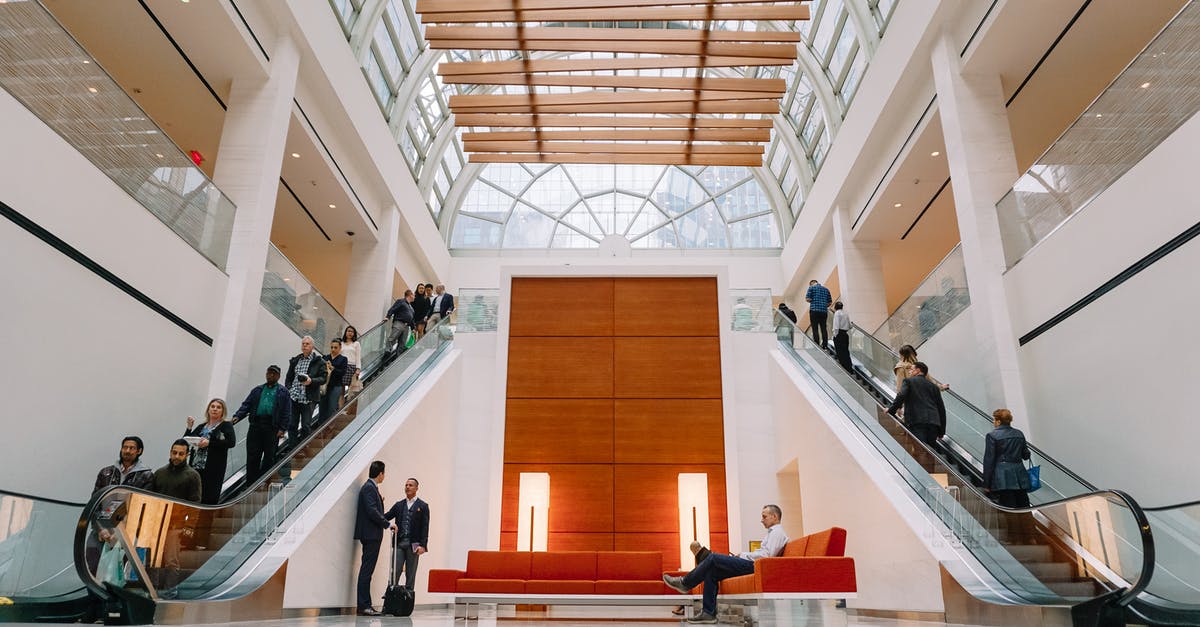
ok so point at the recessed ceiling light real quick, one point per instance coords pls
(935, 153)
(1099, 115)
(333, 206)
(898, 205)
(1145, 85)
(158, 154)
(85, 62)
(93, 89)
(295, 155)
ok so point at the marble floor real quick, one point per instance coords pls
(587, 617)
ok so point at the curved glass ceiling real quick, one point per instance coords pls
(575, 206)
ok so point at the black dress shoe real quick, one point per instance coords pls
(369, 612)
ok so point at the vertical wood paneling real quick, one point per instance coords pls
(601, 374)
(667, 367)
(561, 307)
(658, 307)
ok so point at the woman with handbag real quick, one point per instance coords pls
(1005, 478)
(211, 452)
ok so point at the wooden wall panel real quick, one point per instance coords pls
(665, 306)
(560, 367)
(561, 307)
(541, 430)
(639, 425)
(581, 497)
(648, 496)
(579, 542)
(667, 544)
(667, 367)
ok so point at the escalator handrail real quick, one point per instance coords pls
(1143, 523)
(987, 418)
(90, 507)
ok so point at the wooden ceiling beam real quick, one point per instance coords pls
(458, 6)
(769, 107)
(691, 48)
(601, 97)
(476, 68)
(722, 135)
(498, 120)
(639, 14)
(763, 85)
(612, 148)
(602, 158)
(552, 33)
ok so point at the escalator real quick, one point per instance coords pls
(1096, 551)
(143, 553)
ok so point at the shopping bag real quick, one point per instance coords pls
(1035, 478)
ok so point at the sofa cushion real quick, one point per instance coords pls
(625, 565)
(795, 548)
(828, 543)
(629, 586)
(559, 586)
(745, 584)
(492, 586)
(805, 574)
(498, 564)
(444, 580)
(563, 565)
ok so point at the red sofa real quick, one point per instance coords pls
(554, 572)
(812, 564)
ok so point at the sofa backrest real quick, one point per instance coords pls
(828, 543)
(563, 565)
(498, 564)
(628, 565)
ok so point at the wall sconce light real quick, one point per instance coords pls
(533, 523)
(693, 514)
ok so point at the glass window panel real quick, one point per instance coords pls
(647, 219)
(660, 238)
(583, 221)
(386, 49)
(743, 200)
(379, 84)
(566, 237)
(758, 232)
(552, 192)
(841, 50)
(602, 207)
(624, 209)
(678, 192)
(719, 178)
(507, 176)
(702, 228)
(857, 68)
(639, 179)
(472, 232)
(347, 12)
(528, 228)
(592, 178)
(488, 201)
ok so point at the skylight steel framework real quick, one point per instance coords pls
(835, 46)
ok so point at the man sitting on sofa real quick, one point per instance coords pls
(716, 567)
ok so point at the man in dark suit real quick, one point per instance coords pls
(412, 520)
(924, 411)
(442, 304)
(368, 529)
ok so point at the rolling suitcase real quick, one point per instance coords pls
(398, 600)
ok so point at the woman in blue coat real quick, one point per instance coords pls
(1005, 478)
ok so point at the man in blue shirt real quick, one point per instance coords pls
(819, 299)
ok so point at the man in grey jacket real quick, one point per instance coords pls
(924, 411)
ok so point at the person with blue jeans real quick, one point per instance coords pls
(716, 567)
(819, 299)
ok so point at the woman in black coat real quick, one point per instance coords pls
(1005, 478)
(211, 453)
(422, 307)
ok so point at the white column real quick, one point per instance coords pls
(372, 272)
(983, 167)
(860, 274)
(249, 161)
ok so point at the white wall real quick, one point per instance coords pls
(324, 570)
(274, 343)
(1109, 387)
(88, 363)
(953, 357)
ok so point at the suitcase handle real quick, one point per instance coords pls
(392, 563)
